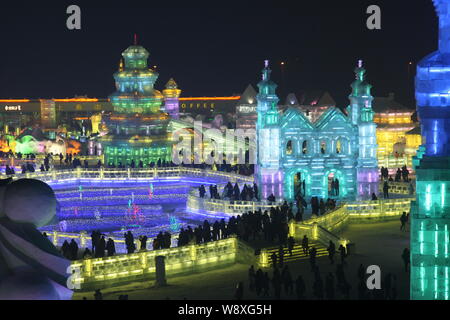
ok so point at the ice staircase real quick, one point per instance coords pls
(297, 252)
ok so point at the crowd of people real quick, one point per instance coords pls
(18, 155)
(401, 174)
(230, 192)
(27, 166)
(242, 169)
(320, 207)
(162, 241)
(103, 247)
(331, 287)
(334, 187)
(270, 226)
(250, 193)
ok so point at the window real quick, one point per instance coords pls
(323, 147)
(305, 147)
(338, 146)
(289, 148)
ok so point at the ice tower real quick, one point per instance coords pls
(430, 262)
(361, 114)
(268, 171)
(171, 99)
(137, 128)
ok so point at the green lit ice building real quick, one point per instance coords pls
(137, 128)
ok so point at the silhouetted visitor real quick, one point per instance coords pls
(331, 251)
(73, 250)
(343, 252)
(100, 248)
(110, 247)
(98, 295)
(386, 190)
(129, 242)
(403, 220)
(291, 243)
(405, 258)
(305, 245)
(239, 293)
(87, 254)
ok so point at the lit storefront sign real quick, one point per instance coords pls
(205, 105)
(13, 108)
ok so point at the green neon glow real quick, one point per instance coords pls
(435, 281)
(421, 237)
(428, 198)
(446, 241)
(422, 278)
(436, 243)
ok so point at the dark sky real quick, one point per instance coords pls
(214, 48)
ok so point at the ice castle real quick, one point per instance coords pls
(298, 157)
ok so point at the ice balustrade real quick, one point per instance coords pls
(83, 240)
(398, 187)
(129, 173)
(109, 271)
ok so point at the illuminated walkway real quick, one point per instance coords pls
(378, 243)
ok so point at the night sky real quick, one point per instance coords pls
(214, 48)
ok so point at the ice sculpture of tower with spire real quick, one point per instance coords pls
(361, 115)
(137, 128)
(268, 172)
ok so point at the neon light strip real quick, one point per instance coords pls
(435, 282)
(436, 243)
(421, 238)
(209, 98)
(446, 241)
(14, 100)
(76, 100)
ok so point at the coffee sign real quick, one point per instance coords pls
(13, 108)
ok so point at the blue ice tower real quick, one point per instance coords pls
(430, 262)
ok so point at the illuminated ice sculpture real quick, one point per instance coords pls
(430, 262)
(137, 129)
(171, 99)
(298, 157)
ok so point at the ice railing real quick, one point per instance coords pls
(229, 207)
(131, 173)
(83, 239)
(108, 271)
(397, 188)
